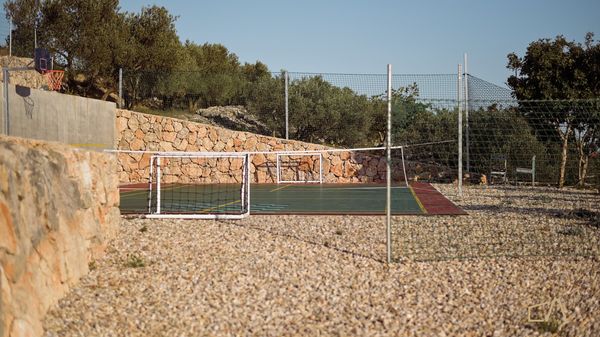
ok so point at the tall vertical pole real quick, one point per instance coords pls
(158, 174)
(460, 154)
(10, 37)
(467, 158)
(287, 125)
(120, 88)
(6, 79)
(388, 175)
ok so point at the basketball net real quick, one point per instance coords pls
(54, 79)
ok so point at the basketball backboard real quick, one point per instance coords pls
(42, 60)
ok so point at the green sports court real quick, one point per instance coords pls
(278, 199)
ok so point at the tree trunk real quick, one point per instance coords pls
(583, 167)
(563, 157)
(192, 104)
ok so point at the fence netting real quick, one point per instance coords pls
(506, 143)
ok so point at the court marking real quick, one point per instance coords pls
(146, 191)
(219, 206)
(279, 188)
(417, 200)
(299, 199)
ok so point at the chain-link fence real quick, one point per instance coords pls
(445, 123)
(503, 140)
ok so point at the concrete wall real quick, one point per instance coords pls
(137, 131)
(58, 209)
(47, 115)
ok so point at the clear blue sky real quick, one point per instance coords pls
(351, 36)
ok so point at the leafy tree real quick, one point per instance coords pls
(265, 100)
(321, 112)
(151, 51)
(415, 122)
(92, 39)
(558, 70)
(82, 36)
(25, 17)
(217, 75)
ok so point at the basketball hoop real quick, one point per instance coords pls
(54, 78)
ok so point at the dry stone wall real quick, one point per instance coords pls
(137, 131)
(58, 209)
(27, 78)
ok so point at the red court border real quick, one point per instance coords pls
(434, 202)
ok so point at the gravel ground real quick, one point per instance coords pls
(318, 276)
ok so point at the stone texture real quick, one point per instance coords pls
(139, 131)
(57, 215)
(27, 78)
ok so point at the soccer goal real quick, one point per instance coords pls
(199, 186)
(299, 167)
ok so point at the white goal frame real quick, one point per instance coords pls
(298, 153)
(155, 161)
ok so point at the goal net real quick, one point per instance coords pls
(199, 186)
(300, 167)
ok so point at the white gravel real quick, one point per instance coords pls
(322, 276)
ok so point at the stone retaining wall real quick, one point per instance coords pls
(58, 209)
(137, 131)
(28, 78)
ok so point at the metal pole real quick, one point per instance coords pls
(388, 176)
(120, 88)
(158, 173)
(10, 37)
(460, 130)
(6, 78)
(467, 157)
(287, 130)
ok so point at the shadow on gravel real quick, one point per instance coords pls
(325, 244)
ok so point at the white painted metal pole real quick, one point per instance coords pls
(158, 174)
(150, 180)
(287, 125)
(320, 168)
(460, 157)
(247, 176)
(467, 145)
(278, 167)
(6, 79)
(388, 177)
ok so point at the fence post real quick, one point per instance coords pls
(287, 125)
(466, 94)
(6, 79)
(460, 154)
(388, 177)
(120, 88)
(10, 37)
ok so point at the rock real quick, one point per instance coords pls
(132, 124)
(56, 216)
(137, 144)
(258, 159)
(337, 169)
(121, 124)
(169, 136)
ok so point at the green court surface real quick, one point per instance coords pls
(333, 199)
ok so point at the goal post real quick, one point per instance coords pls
(299, 167)
(199, 186)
